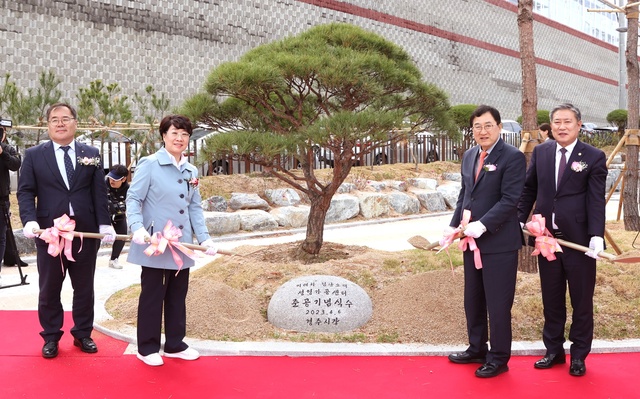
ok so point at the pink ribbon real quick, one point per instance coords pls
(545, 245)
(60, 238)
(169, 237)
(469, 242)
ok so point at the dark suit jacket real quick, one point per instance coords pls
(43, 196)
(578, 202)
(493, 198)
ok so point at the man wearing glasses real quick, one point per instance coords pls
(64, 177)
(493, 175)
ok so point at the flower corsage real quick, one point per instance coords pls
(578, 166)
(86, 161)
(489, 167)
(194, 182)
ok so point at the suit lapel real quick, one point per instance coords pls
(50, 159)
(576, 156)
(491, 159)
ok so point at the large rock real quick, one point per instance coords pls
(431, 200)
(282, 196)
(403, 203)
(247, 201)
(612, 176)
(319, 304)
(343, 207)
(215, 204)
(291, 216)
(424, 183)
(373, 205)
(219, 223)
(450, 192)
(256, 220)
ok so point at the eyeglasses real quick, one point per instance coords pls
(174, 134)
(487, 127)
(65, 121)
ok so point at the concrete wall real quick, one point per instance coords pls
(469, 48)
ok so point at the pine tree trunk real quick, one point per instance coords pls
(630, 193)
(526, 262)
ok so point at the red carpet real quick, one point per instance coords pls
(110, 374)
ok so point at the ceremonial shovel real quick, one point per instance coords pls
(422, 243)
(123, 237)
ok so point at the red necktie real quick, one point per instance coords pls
(562, 165)
(483, 155)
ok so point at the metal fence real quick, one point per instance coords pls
(424, 151)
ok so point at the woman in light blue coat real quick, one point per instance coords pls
(165, 188)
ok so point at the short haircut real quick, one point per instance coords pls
(177, 121)
(483, 109)
(62, 105)
(566, 106)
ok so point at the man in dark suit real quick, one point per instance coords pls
(566, 182)
(61, 177)
(492, 178)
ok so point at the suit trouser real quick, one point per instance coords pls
(489, 292)
(579, 272)
(162, 288)
(51, 277)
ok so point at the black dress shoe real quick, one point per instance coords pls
(50, 349)
(489, 370)
(465, 357)
(577, 368)
(85, 344)
(549, 361)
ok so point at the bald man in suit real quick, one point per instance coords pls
(566, 182)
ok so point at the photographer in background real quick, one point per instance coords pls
(9, 160)
(117, 187)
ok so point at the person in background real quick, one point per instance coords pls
(165, 189)
(545, 132)
(492, 178)
(117, 187)
(65, 177)
(566, 183)
(9, 160)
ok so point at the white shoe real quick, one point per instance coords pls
(187, 354)
(114, 264)
(153, 359)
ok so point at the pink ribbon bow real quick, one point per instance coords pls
(60, 238)
(169, 237)
(545, 245)
(469, 242)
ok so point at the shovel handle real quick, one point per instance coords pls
(123, 237)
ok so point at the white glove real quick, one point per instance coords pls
(141, 236)
(211, 247)
(474, 229)
(596, 245)
(446, 233)
(28, 229)
(109, 233)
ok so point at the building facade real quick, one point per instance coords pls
(469, 48)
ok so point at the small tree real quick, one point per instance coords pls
(461, 114)
(618, 118)
(335, 86)
(28, 108)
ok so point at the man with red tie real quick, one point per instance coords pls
(492, 179)
(566, 182)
